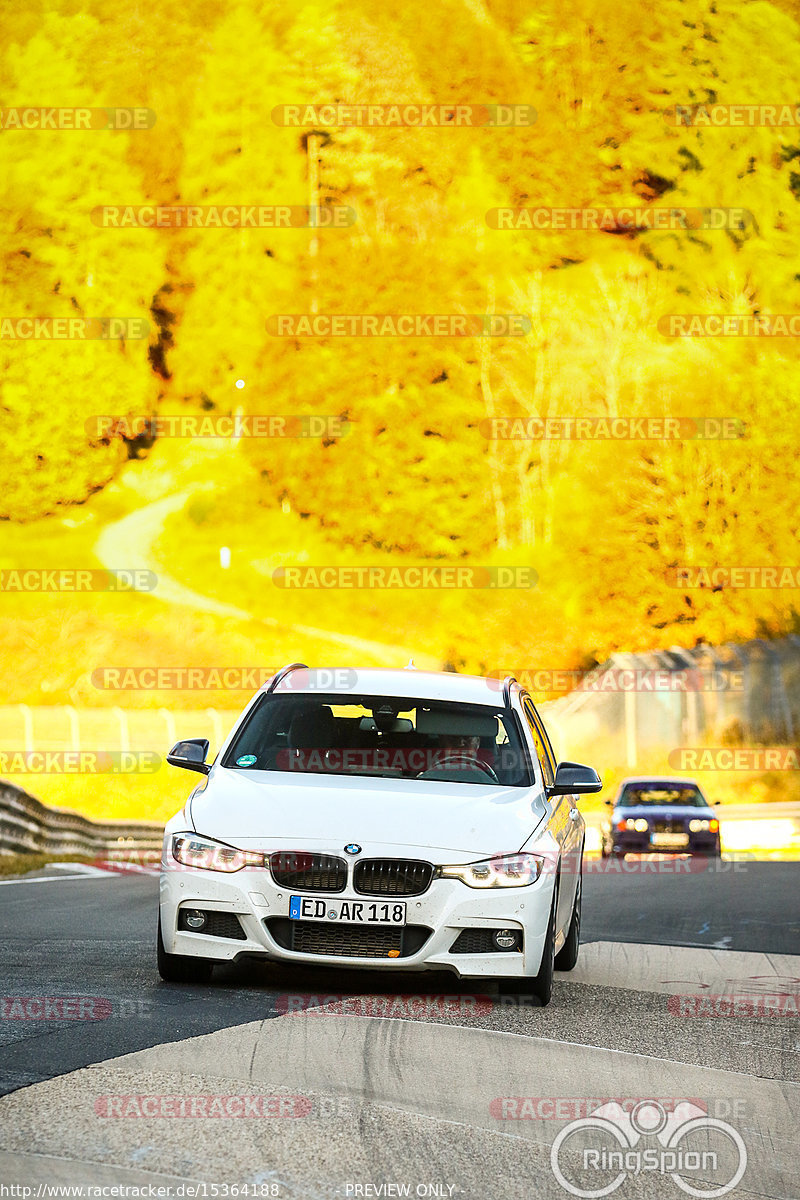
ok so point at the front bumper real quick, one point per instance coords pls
(446, 909)
(631, 842)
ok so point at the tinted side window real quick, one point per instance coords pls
(543, 752)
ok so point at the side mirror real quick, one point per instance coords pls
(574, 778)
(191, 755)
(716, 802)
(610, 803)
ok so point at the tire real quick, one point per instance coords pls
(567, 956)
(181, 968)
(539, 986)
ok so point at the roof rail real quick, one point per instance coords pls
(284, 671)
(507, 682)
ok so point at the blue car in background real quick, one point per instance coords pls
(655, 814)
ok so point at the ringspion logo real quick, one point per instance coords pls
(702, 1155)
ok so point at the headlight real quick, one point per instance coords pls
(640, 825)
(703, 826)
(192, 850)
(509, 870)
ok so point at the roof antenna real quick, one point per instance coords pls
(410, 665)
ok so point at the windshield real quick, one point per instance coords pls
(381, 736)
(637, 795)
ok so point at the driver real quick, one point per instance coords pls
(457, 745)
(458, 752)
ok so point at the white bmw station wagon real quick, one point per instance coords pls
(389, 819)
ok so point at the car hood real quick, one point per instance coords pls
(270, 809)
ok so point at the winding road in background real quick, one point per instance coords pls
(132, 539)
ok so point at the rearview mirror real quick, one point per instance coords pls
(190, 754)
(575, 778)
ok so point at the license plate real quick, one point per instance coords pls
(353, 912)
(669, 839)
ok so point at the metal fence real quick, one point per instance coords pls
(636, 704)
(28, 825)
(64, 727)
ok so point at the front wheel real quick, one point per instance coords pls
(541, 985)
(181, 968)
(567, 956)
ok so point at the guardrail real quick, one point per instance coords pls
(28, 826)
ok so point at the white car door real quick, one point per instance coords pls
(565, 822)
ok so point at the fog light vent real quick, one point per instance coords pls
(505, 939)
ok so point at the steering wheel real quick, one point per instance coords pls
(462, 761)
